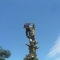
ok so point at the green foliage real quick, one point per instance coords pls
(4, 54)
(2, 59)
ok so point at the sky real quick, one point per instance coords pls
(45, 14)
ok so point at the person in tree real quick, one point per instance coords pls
(30, 31)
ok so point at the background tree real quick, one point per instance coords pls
(4, 53)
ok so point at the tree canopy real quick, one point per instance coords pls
(4, 53)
